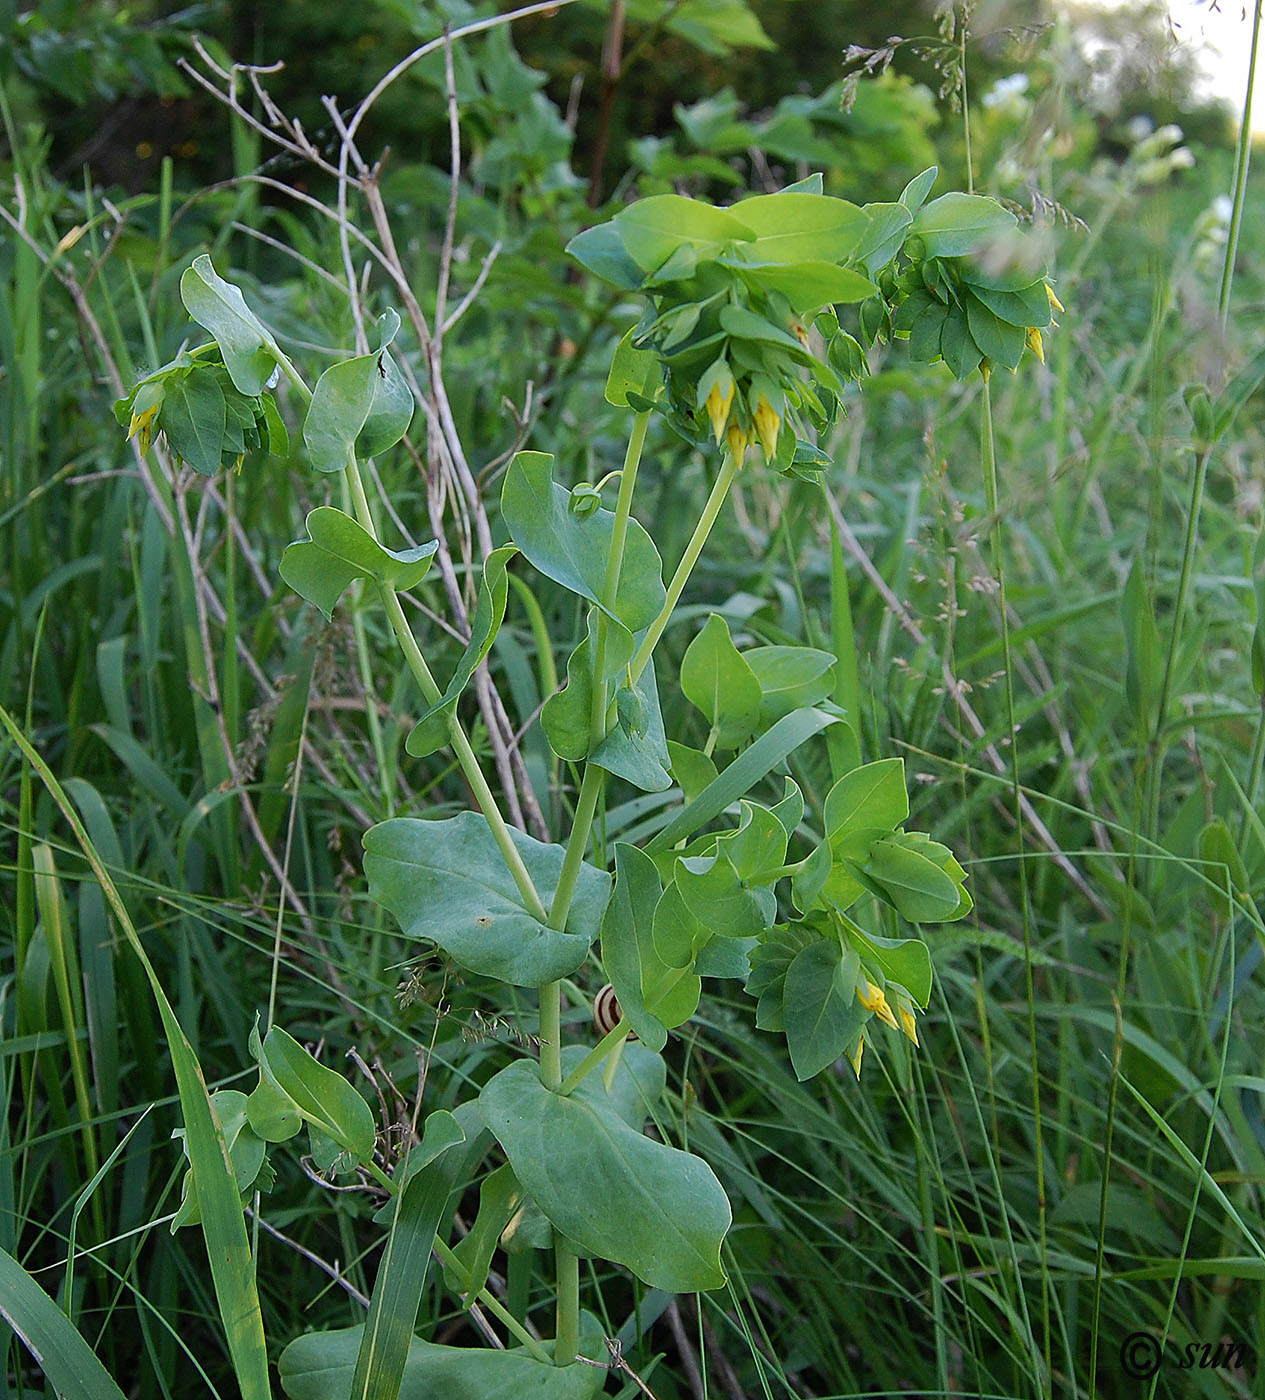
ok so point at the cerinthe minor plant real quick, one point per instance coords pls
(740, 346)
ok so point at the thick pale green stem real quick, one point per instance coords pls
(365, 668)
(492, 1304)
(567, 1339)
(728, 470)
(431, 693)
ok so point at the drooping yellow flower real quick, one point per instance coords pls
(141, 424)
(855, 1060)
(1034, 343)
(1055, 303)
(907, 1022)
(737, 441)
(719, 400)
(767, 425)
(874, 999)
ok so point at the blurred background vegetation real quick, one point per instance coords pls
(892, 1237)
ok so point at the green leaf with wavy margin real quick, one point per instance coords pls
(615, 1193)
(339, 549)
(446, 881)
(359, 407)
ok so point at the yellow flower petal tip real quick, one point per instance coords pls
(874, 999)
(855, 1061)
(908, 1024)
(1054, 301)
(737, 441)
(1034, 343)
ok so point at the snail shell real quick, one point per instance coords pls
(606, 1011)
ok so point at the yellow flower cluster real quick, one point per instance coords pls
(873, 998)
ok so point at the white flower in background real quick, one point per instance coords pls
(1008, 92)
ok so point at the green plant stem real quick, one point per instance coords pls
(431, 693)
(728, 470)
(292, 374)
(1243, 155)
(493, 1304)
(591, 783)
(988, 460)
(450, 1261)
(1242, 158)
(1156, 756)
(595, 1056)
(567, 1328)
(366, 681)
(567, 1332)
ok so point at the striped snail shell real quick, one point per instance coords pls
(606, 1010)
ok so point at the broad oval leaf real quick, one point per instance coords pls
(359, 408)
(903, 960)
(321, 1095)
(792, 228)
(790, 678)
(617, 1194)
(220, 308)
(194, 418)
(339, 549)
(654, 228)
(634, 371)
(808, 286)
(958, 223)
(573, 550)
(320, 1366)
(628, 951)
(916, 887)
(602, 251)
(820, 1006)
(446, 881)
(635, 747)
(718, 681)
(872, 797)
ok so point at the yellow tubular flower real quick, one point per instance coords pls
(908, 1024)
(855, 1061)
(767, 425)
(1055, 303)
(737, 441)
(718, 404)
(140, 425)
(874, 999)
(1034, 343)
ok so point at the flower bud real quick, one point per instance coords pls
(585, 499)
